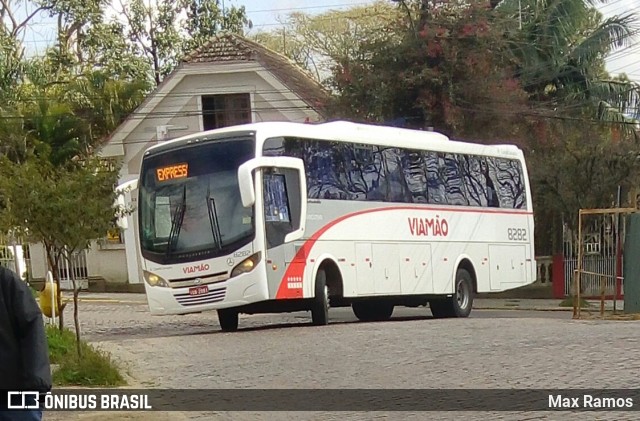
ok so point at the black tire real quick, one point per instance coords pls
(228, 319)
(441, 308)
(461, 303)
(320, 306)
(370, 311)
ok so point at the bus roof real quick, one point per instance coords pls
(352, 132)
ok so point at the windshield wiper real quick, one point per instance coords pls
(213, 219)
(176, 223)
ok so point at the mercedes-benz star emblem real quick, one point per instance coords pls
(198, 281)
(230, 261)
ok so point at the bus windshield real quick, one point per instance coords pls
(190, 206)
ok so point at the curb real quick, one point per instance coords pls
(524, 308)
(541, 309)
(529, 308)
(105, 301)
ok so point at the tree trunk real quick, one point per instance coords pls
(54, 265)
(76, 292)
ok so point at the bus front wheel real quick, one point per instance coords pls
(462, 301)
(228, 319)
(320, 306)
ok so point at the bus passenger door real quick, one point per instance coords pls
(282, 200)
(284, 194)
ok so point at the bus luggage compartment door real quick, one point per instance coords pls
(507, 263)
(386, 268)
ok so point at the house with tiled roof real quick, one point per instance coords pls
(230, 80)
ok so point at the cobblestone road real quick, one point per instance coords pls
(493, 349)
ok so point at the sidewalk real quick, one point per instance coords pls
(478, 303)
(107, 297)
(115, 415)
(538, 304)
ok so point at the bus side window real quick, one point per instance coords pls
(474, 179)
(507, 177)
(452, 178)
(282, 204)
(435, 184)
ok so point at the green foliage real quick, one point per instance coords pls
(560, 52)
(318, 42)
(205, 18)
(162, 37)
(61, 344)
(57, 132)
(95, 368)
(452, 74)
(580, 167)
(10, 64)
(115, 99)
(50, 204)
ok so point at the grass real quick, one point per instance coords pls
(61, 344)
(94, 368)
(568, 302)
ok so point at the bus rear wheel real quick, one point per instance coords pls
(370, 311)
(462, 301)
(320, 306)
(228, 318)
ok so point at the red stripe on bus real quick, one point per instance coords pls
(296, 268)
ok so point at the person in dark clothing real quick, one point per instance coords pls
(24, 353)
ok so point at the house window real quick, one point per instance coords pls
(225, 110)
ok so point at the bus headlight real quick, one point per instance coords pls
(247, 265)
(154, 280)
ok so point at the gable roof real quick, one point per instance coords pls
(227, 48)
(233, 48)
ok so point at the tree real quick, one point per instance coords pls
(580, 166)
(161, 36)
(205, 18)
(560, 49)
(452, 74)
(10, 65)
(318, 42)
(103, 102)
(12, 27)
(48, 204)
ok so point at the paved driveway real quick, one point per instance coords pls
(492, 349)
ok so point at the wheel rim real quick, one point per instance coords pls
(326, 296)
(462, 294)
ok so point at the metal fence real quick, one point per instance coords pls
(602, 256)
(77, 266)
(14, 255)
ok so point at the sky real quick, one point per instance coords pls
(265, 15)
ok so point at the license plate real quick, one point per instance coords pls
(198, 290)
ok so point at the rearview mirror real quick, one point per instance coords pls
(245, 174)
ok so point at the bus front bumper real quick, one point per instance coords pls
(235, 292)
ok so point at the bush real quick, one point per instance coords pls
(94, 368)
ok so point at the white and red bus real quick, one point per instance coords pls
(280, 217)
